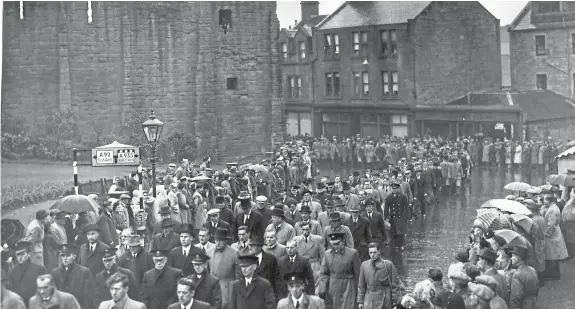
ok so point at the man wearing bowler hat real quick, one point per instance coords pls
(267, 263)
(224, 264)
(305, 213)
(284, 231)
(524, 285)
(101, 289)
(158, 288)
(339, 274)
(73, 278)
(336, 226)
(91, 253)
(348, 198)
(137, 260)
(226, 214)
(165, 213)
(296, 297)
(307, 201)
(248, 217)
(396, 212)
(180, 257)
(251, 291)
(208, 288)
(168, 239)
(23, 275)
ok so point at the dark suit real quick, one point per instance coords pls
(181, 262)
(165, 242)
(227, 215)
(361, 232)
(195, 305)
(158, 288)
(255, 224)
(102, 291)
(296, 217)
(266, 215)
(301, 265)
(108, 232)
(23, 278)
(212, 230)
(78, 282)
(377, 226)
(92, 259)
(208, 290)
(419, 193)
(138, 265)
(258, 294)
(269, 270)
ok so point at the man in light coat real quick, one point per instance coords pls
(555, 249)
(35, 235)
(119, 285)
(378, 286)
(224, 264)
(296, 297)
(48, 296)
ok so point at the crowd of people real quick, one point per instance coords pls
(278, 234)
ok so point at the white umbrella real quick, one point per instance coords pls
(508, 206)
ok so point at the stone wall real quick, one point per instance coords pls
(457, 50)
(170, 56)
(561, 129)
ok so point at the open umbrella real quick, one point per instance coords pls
(200, 178)
(522, 220)
(517, 186)
(244, 167)
(259, 168)
(507, 205)
(12, 231)
(570, 144)
(76, 204)
(513, 238)
(534, 190)
(500, 223)
(487, 218)
(482, 211)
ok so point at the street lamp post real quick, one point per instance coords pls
(153, 129)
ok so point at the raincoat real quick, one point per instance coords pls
(378, 286)
(568, 226)
(338, 277)
(554, 243)
(224, 265)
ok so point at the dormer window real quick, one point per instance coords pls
(226, 19)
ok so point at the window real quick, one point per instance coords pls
(359, 42)
(547, 6)
(294, 87)
(226, 19)
(399, 125)
(335, 125)
(332, 88)
(541, 81)
(375, 125)
(232, 83)
(298, 123)
(284, 51)
(390, 84)
(302, 50)
(331, 44)
(573, 42)
(361, 84)
(388, 41)
(292, 51)
(540, 47)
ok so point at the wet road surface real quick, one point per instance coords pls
(434, 241)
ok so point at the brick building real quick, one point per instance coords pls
(221, 85)
(374, 63)
(542, 47)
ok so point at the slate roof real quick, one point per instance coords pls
(366, 13)
(537, 105)
(307, 25)
(523, 21)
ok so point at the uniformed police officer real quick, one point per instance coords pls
(396, 211)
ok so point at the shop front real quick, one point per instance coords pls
(298, 120)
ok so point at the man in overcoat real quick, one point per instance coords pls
(376, 224)
(91, 253)
(215, 222)
(208, 288)
(360, 231)
(24, 273)
(137, 260)
(119, 289)
(339, 274)
(292, 263)
(35, 235)
(168, 239)
(109, 234)
(251, 291)
(74, 278)
(101, 288)
(396, 211)
(181, 257)
(311, 247)
(524, 285)
(224, 265)
(335, 226)
(158, 288)
(9, 299)
(296, 298)
(48, 296)
(267, 264)
(252, 219)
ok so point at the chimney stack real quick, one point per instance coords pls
(309, 9)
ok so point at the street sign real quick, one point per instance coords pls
(116, 154)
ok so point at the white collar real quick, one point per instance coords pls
(249, 280)
(295, 300)
(189, 306)
(259, 255)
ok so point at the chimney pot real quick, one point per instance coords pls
(309, 9)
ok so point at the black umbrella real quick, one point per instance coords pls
(12, 231)
(76, 204)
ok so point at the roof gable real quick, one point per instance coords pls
(367, 13)
(522, 18)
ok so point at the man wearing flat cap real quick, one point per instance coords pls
(460, 280)
(168, 239)
(479, 296)
(486, 261)
(339, 274)
(524, 285)
(24, 273)
(158, 288)
(251, 291)
(180, 257)
(74, 278)
(101, 289)
(396, 212)
(208, 288)
(297, 298)
(263, 209)
(496, 302)
(91, 253)
(35, 235)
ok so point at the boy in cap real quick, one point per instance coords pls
(479, 296)
(208, 288)
(101, 288)
(74, 278)
(459, 281)
(158, 288)
(251, 291)
(339, 273)
(180, 257)
(91, 253)
(24, 273)
(296, 297)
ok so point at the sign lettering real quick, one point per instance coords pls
(126, 156)
(105, 156)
